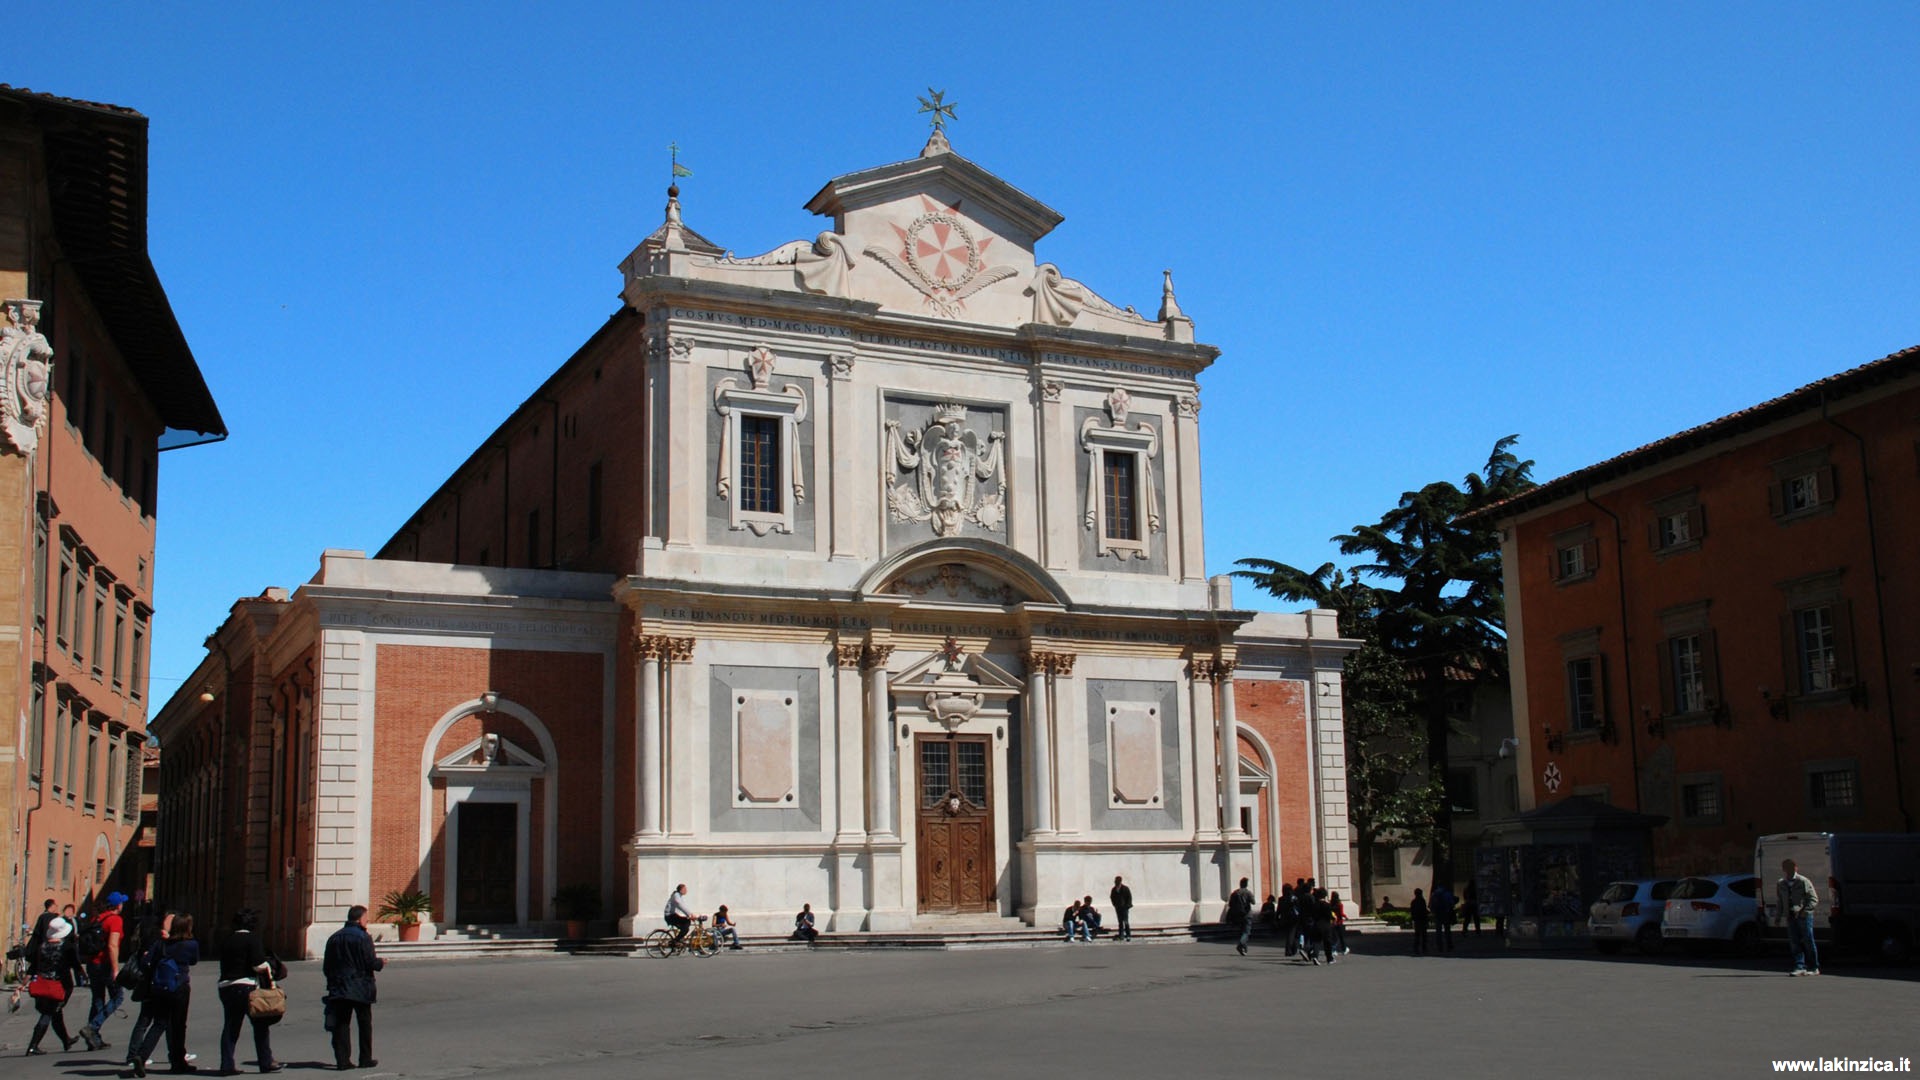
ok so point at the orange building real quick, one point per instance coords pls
(98, 380)
(1720, 627)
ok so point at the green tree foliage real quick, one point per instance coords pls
(1426, 595)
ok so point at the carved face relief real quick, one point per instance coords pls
(26, 373)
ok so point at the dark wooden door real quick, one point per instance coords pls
(955, 834)
(489, 857)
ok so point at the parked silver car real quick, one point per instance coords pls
(1629, 912)
(1722, 908)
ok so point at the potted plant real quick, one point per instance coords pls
(579, 904)
(405, 908)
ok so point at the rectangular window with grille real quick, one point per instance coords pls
(1118, 472)
(1700, 800)
(1833, 789)
(973, 772)
(936, 770)
(760, 464)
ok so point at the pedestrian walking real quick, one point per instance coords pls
(1287, 915)
(55, 970)
(1798, 902)
(1121, 898)
(1240, 913)
(349, 964)
(168, 991)
(1339, 925)
(1444, 904)
(149, 932)
(1470, 908)
(244, 967)
(1418, 909)
(102, 955)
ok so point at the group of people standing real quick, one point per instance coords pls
(152, 961)
(1309, 919)
(1440, 911)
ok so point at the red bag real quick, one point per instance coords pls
(48, 989)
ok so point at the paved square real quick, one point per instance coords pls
(1171, 1010)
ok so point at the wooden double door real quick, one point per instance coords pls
(954, 836)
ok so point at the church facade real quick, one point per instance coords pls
(866, 573)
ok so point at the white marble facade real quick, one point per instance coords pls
(913, 486)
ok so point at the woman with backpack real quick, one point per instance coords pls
(168, 994)
(244, 967)
(56, 968)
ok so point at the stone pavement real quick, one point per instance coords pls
(1163, 1010)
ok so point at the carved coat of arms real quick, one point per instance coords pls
(940, 257)
(948, 466)
(26, 373)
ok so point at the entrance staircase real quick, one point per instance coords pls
(929, 932)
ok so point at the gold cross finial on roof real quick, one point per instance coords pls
(936, 104)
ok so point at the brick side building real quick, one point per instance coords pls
(866, 573)
(1720, 627)
(95, 381)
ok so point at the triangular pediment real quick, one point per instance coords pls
(970, 672)
(490, 753)
(947, 177)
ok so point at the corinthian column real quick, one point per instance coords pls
(647, 770)
(1040, 740)
(880, 764)
(1229, 748)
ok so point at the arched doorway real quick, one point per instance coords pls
(490, 790)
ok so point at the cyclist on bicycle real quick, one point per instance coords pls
(678, 914)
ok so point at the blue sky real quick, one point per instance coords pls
(1412, 229)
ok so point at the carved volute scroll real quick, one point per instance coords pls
(26, 373)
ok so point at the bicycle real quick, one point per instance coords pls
(698, 940)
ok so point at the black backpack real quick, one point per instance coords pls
(92, 939)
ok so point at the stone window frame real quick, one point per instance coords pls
(1141, 445)
(1701, 779)
(1825, 766)
(1675, 514)
(1390, 852)
(788, 407)
(1574, 555)
(1801, 486)
(1803, 596)
(1678, 622)
(787, 800)
(1583, 647)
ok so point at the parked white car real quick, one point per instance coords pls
(1723, 908)
(1630, 912)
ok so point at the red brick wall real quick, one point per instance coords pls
(1740, 566)
(416, 685)
(1277, 710)
(599, 417)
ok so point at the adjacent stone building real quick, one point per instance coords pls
(96, 380)
(866, 573)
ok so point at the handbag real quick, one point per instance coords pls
(267, 1001)
(47, 989)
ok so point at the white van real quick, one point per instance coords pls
(1869, 886)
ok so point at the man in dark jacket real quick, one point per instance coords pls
(1122, 899)
(349, 964)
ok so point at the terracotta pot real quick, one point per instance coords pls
(576, 928)
(410, 932)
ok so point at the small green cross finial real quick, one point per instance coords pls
(679, 170)
(942, 112)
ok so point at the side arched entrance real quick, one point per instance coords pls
(489, 814)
